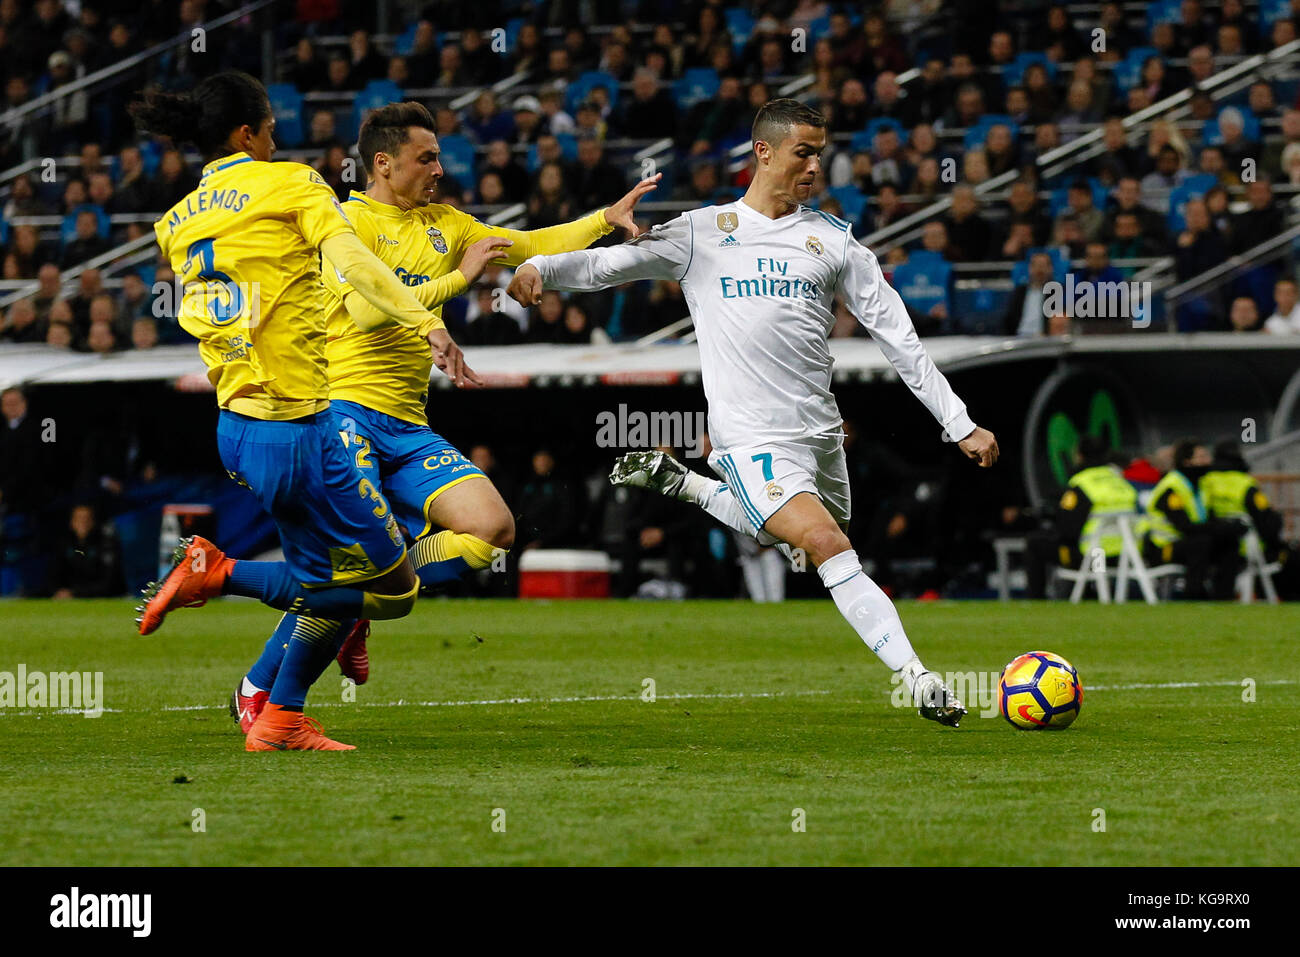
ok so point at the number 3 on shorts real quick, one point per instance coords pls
(766, 459)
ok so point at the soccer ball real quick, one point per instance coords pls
(1040, 690)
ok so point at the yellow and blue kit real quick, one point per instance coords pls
(244, 245)
(379, 380)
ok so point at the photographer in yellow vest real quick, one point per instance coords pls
(1098, 489)
(1180, 531)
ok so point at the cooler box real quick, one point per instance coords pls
(563, 573)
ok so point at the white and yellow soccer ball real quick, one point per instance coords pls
(1040, 690)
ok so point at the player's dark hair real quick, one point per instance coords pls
(776, 118)
(386, 129)
(206, 115)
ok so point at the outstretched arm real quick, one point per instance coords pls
(662, 253)
(880, 309)
(392, 302)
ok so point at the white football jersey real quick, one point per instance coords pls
(761, 292)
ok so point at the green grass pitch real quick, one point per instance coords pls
(760, 710)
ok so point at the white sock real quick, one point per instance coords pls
(868, 610)
(716, 499)
(248, 689)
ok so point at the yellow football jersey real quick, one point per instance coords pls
(244, 246)
(388, 369)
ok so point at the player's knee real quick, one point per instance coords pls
(494, 526)
(823, 543)
(386, 607)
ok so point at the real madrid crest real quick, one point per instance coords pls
(773, 491)
(813, 245)
(435, 237)
(727, 222)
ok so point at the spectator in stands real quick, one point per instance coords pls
(485, 325)
(364, 62)
(1233, 143)
(101, 339)
(1120, 160)
(1229, 41)
(889, 206)
(1018, 239)
(132, 194)
(529, 122)
(546, 318)
(1056, 37)
(727, 115)
(968, 107)
(87, 243)
(135, 296)
(549, 204)
(1285, 319)
(1262, 104)
(1025, 317)
(588, 120)
(1243, 315)
(1200, 248)
(1263, 219)
(99, 189)
(596, 182)
(1128, 199)
(22, 324)
(307, 72)
(970, 237)
(548, 507)
(1067, 232)
(88, 561)
(974, 167)
(23, 200)
(59, 335)
(48, 289)
(1283, 32)
(1042, 95)
(1023, 204)
(649, 111)
(144, 332)
(1078, 111)
(1130, 241)
(322, 130)
(1167, 176)
(484, 122)
(491, 191)
(934, 238)
(1079, 203)
(1273, 160)
(481, 64)
(1096, 270)
(884, 50)
(338, 76)
(514, 178)
(927, 184)
(577, 327)
(173, 182)
(1200, 66)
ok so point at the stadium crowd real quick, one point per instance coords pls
(978, 102)
(927, 100)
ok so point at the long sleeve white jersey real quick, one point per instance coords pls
(761, 292)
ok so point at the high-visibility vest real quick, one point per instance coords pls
(1224, 493)
(1110, 494)
(1185, 499)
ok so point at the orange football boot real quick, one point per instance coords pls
(199, 572)
(279, 730)
(353, 658)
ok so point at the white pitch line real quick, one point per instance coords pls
(402, 703)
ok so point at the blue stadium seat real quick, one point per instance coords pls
(286, 106)
(924, 281)
(1270, 11)
(404, 42)
(851, 201)
(978, 312)
(740, 24)
(1129, 70)
(696, 85)
(1014, 71)
(377, 93)
(68, 228)
(585, 83)
(457, 158)
(150, 156)
(977, 134)
(1163, 11)
(861, 140)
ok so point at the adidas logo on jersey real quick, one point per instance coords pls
(729, 242)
